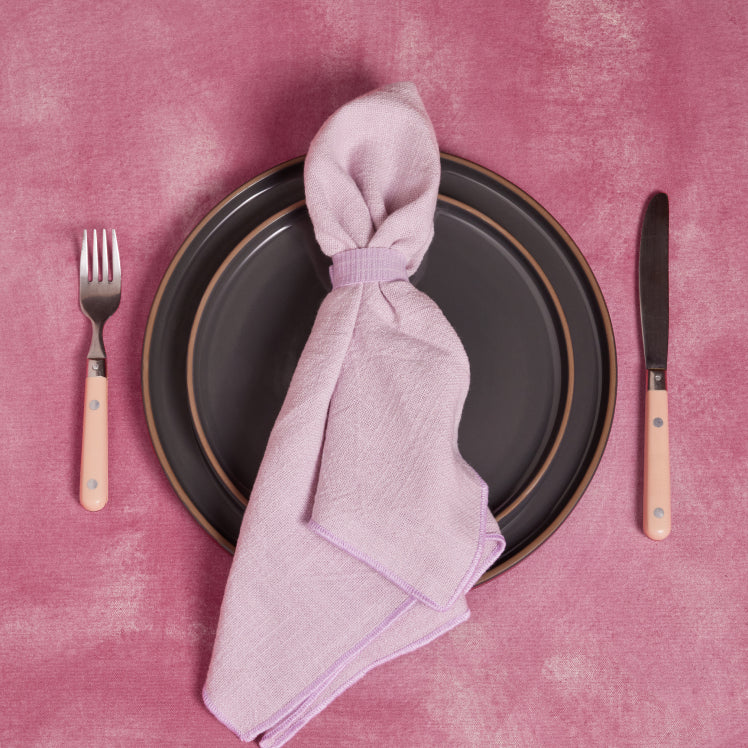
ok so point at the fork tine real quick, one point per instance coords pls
(84, 258)
(95, 260)
(104, 258)
(116, 269)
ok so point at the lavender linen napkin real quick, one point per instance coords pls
(365, 527)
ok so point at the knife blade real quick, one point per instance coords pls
(654, 306)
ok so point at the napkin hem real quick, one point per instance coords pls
(315, 686)
(274, 723)
(289, 731)
(406, 587)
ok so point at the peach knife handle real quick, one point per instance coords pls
(656, 466)
(94, 489)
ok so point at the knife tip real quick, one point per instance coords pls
(659, 197)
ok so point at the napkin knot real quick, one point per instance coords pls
(367, 265)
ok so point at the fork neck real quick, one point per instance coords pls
(96, 350)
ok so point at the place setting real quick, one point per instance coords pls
(381, 362)
(370, 350)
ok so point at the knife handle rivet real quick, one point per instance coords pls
(659, 513)
(94, 404)
(91, 483)
(658, 423)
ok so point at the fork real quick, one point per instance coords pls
(99, 299)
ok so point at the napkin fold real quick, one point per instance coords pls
(365, 527)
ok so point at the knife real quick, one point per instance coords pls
(653, 304)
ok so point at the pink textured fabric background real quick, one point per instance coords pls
(142, 116)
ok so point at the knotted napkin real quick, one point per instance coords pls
(365, 527)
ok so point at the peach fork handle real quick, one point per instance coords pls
(94, 488)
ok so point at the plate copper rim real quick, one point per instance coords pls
(610, 401)
(147, 404)
(600, 307)
(568, 351)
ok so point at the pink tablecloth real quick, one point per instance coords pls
(143, 115)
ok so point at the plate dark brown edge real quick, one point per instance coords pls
(286, 243)
(523, 217)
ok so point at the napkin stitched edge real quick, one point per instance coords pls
(406, 587)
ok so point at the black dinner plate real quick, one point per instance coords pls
(258, 310)
(543, 370)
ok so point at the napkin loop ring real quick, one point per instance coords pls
(367, 265)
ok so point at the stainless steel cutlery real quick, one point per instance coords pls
(100, 289)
